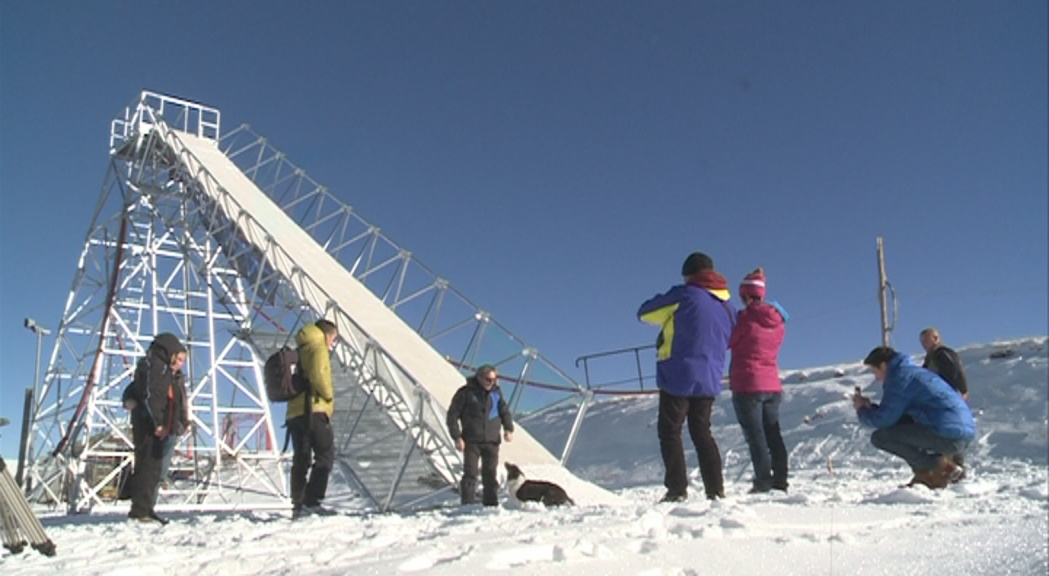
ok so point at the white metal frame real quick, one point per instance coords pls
(463, 332)
(170, 250)
(150, 264)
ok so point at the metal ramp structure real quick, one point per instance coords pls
(219, 239)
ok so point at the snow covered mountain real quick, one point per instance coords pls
(845, 513)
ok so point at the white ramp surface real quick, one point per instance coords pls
(411, 351)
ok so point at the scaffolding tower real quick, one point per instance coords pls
(222, 241)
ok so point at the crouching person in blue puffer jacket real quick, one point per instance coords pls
(920, 419)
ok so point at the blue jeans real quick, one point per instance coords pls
(758, 415)
(920, 447)
(167, 454)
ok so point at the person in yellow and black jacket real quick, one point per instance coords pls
(696, 320)
(309, 420)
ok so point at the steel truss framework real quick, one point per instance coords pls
(464, 333)
(170, 250)
(152, 262)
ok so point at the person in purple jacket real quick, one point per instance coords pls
(695, 320)
(938, 423)
(755, 384)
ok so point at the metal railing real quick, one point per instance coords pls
(640, 384)
(603, 387)
(179, 114)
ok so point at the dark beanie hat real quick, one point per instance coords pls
(696, 262)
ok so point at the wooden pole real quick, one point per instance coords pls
(882, 283)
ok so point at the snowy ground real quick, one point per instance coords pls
(845, 513)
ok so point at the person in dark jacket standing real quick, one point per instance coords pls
(181, 422)
(477, 413)
(920, 419)
(754, 379)
(151, 399)
(696, 319)
(309, 420)
(945, 362)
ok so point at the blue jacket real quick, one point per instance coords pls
(923, 396)
(690, 351)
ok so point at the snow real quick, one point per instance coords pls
(845, 512)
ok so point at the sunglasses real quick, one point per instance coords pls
(490, 379)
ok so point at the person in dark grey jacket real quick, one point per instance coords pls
(475, 417)
(945, 362)
(152, 399)
(180, 423)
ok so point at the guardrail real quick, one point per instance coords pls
(184, 115)
(635, 385)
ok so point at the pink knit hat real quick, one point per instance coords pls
(753, 285)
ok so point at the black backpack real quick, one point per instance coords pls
(283, 381)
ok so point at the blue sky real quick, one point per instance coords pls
(557, 161)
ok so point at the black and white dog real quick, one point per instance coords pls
(524, 490)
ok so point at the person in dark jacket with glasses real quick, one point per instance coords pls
(477, 415)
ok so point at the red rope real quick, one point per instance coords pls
(110, 297)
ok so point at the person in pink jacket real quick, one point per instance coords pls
(755, 384)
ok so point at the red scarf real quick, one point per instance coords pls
(708, 279)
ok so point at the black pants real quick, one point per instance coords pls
(313, 442)
(488, 453)
(149, 455)
(673, 412)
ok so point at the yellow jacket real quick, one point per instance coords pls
(315, 366)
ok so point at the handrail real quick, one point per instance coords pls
(641, 377)
(181, 114)
(586, 357)
(636, 350)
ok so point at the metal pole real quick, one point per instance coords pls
(577, 424)
(23, 446)
(33, 402)
(36, 374)
(640, 375)
(40, 332)
(882, 282)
